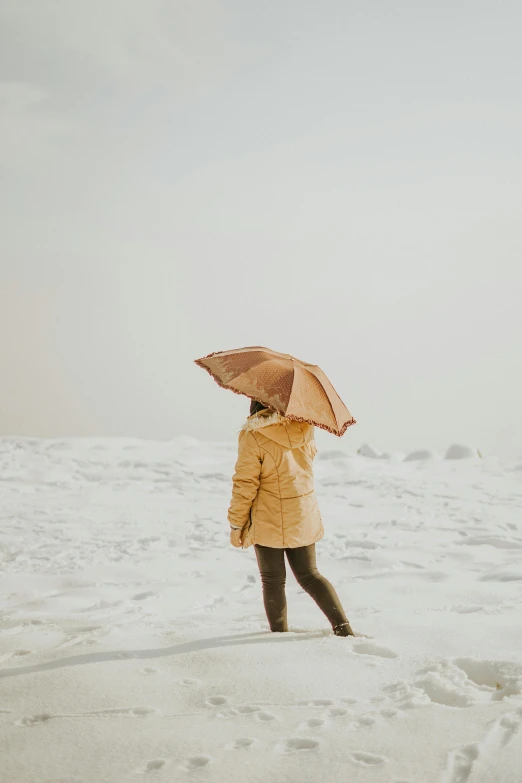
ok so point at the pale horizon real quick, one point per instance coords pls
(338, 183)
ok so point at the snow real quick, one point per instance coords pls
(457, 451)
(134, 646)
(366, 450)
(421, 454)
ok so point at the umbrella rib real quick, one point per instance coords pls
(324, 391)
(237, 377)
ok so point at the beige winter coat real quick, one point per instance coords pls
(273, 495)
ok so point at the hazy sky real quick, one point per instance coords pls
(339, 180)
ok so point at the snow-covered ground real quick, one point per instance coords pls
(134, 646)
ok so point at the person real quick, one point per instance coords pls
(274, 507)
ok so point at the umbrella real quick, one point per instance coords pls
(296, 389)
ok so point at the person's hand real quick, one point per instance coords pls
(236, 537)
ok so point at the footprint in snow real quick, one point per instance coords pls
(216, 701)
(499, 678)
(316, 703)
(15, 654)
(389, 712)
(300, 744)
(365, 720)
(229, 713)
(315, 723)
(370, 648)
(221, 701)
(152, 766)
(101, 606)
(34, 720)
(143, 596)
(264, 716)
(196, 762)
(460, 763)
(367, 759)
(248, 709)
(243, 743)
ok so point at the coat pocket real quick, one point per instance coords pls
(302, 520)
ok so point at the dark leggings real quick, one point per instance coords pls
(271, 564)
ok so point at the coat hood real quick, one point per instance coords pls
(286, 432)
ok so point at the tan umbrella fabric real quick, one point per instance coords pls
(298, 390)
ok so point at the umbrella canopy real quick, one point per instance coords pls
(296, 389)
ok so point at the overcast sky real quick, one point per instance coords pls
(337, 180)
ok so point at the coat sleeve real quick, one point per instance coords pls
(246, 480)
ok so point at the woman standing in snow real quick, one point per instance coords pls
(275, 508)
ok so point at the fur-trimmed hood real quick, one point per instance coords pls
(288, 433)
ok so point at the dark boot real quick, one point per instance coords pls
(343, 629)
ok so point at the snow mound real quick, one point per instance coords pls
(368, 451)
(329, 455)
(185, 442)
(421, 454)
(394, 457)
(457, 451)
